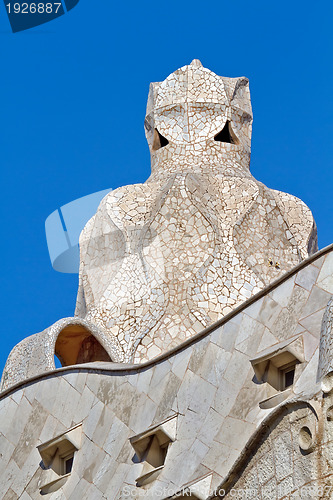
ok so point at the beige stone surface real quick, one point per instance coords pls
(198, 276)
(160, 261)
(210, 386)
(163, 260)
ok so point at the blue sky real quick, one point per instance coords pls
(73, 103)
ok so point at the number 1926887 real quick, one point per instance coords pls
(33, 8)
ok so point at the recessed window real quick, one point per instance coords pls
(159, 140)
(288, 377)
(58, 459)
(279, 374)
(226, 135)
(68, 464)
(151, 447)
(277, 365)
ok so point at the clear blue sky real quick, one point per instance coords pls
(73, 97)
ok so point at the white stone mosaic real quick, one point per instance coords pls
(160, 261)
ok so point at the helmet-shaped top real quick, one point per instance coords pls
(193, 105)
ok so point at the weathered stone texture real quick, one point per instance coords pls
(209, 385)
(200, 277)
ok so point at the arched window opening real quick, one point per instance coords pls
(76, 345)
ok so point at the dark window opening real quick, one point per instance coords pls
(289, 377)
(226, 135)
(68, 464)
(159, 140)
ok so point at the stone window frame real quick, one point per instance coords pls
(55, 453)
(151, 447)
(271, 365)
(283, 372)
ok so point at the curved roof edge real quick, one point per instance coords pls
(126, 367)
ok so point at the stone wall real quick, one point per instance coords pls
(291, 457)
(208, 383)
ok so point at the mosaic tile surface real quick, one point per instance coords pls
(160, 261)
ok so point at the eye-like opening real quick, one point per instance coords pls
(226, 135)
(76, 345)
(159, 140)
